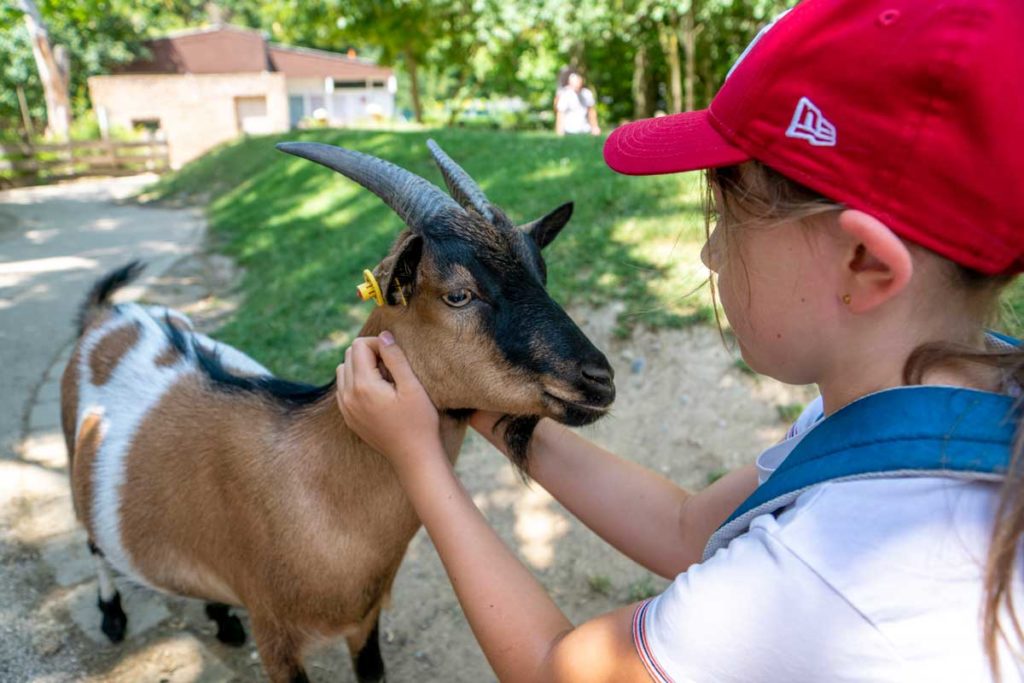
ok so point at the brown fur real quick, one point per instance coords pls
(87, 445)
(109, 351)
(167, 357)
(337, 507)
(425, 329)
(69, 403)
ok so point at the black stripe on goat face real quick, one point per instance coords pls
(542, 348)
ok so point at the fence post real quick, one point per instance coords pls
(26, 119)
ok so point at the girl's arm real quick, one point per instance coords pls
(522, 632)
(520, 629)
(641, 513)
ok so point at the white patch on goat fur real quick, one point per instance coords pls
(135, 387)
(107, 588)
(162, 312)
(231, 358)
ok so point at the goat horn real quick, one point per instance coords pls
(414, 199)
(461, 185)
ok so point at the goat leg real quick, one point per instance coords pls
(229, 627)
(280, 646)
(115, 621)
(365, 651)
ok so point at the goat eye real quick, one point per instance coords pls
(458, 298)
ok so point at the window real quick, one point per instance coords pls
(251, 114)
(146, 125)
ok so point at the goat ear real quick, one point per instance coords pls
(545, 229)
(396, 274)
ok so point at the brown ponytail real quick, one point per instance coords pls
(1002, 565)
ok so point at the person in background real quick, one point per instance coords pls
(575, 112)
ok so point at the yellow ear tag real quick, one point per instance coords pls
(370, 289)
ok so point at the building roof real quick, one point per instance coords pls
(232, 49)
(300, 62)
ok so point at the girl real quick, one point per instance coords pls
(865, 165)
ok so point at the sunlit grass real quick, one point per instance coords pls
(304, 234)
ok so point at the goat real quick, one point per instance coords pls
(197, 472)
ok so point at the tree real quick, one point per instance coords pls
(53, 69)
(405, 31)
(638, 56)
(97, 35)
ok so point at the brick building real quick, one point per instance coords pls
(202, 87)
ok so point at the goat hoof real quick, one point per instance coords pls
(231, 632)
(115, 622)
(229, 627)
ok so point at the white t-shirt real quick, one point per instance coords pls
(870, 580)
(574, 106)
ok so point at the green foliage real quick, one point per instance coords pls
(17, 68)
(98, 35)
(742, 366)
(600, 584)
(87, 127)
(716, 474)
(304, 234)
(1011, 319)
(459, 50)
(641, 589)
(789, 412)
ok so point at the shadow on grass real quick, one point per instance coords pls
(304, 233)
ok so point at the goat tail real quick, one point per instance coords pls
(99, 296)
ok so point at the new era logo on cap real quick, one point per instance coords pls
(811, 125)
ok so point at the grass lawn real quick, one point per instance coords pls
(304, 233)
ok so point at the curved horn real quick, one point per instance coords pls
(414, 199)
(460, 185)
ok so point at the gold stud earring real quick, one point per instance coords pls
(847, 299)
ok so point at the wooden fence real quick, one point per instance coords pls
(23, 163)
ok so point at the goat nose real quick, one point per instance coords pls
(598, 373)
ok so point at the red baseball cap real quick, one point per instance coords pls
(909, 110)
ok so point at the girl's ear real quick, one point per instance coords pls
(876, 264)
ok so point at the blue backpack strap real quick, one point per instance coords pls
(903, 432)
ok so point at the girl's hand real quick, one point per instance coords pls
(396, 419)
(483, 421)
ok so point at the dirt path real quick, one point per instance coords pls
(54, 241)
(684, 409)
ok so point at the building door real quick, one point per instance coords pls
(251, 115)
(296, 110)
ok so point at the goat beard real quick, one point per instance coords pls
(518, 432)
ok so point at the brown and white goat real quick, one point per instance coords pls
(198, 473)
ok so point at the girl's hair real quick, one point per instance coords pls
(755, 194)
